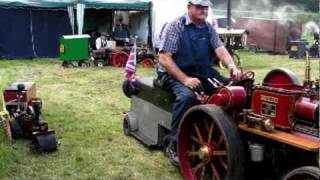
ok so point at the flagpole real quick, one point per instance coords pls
(131, 66)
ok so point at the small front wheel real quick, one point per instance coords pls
(66, 64)
(83, 64)
(304, 173)
(165, 142)
(44, 142)
(100, 63)
(126, 125)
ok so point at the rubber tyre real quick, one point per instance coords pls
(100, 63)
(304, 173)
(165, 142)
(126, 125)
(83, 64)
(67, 65)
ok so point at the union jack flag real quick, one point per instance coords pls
(131, 66)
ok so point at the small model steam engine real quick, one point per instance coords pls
(22, 119)
(118, 57)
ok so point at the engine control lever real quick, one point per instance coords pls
(201, 96)
(218, 82)
(213, 83)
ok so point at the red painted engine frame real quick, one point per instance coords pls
(281, 97)
(11, 92)
(276, 104)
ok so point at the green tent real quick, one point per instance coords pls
(117, 4)
(105, 4)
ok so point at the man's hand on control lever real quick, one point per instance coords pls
(191, 82)
(195, 85)
(235, 73)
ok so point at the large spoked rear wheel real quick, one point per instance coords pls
(209, 145)
(119, 60)
(147, 63)
(304, 173)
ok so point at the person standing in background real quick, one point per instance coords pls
(121, 33)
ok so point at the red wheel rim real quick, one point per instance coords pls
(147, 63)
(202, 149)
(119, 60)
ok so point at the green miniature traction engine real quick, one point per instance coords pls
(74, 48)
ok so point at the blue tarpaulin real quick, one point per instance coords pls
(29, 33)
(37, 3)
(31, 28)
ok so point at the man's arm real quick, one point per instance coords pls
(165, 59)
(226, 59)
(222, 53)
(224, 56)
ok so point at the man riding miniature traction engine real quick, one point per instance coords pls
(187, 49)
(223, 128)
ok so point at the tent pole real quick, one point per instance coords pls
(150, 40)
(229, 14)
(71, 17)
(80, 17)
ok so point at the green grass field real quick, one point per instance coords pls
(85, 107)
